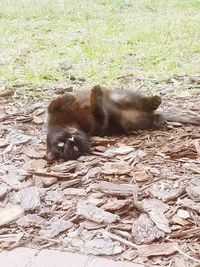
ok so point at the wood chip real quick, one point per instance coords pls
(98, 247)
(54, 197)
(53, 174)
(33, 153)
(69, 183)
(102, 140)
(117, 168)
(116, 204)
(165, 195)
(188, 203)
(68, 166)
(74, 192)
(119, 214)
(184, 214)
(31, 220)
(117, 189)
(178, 220)
(35, 164)
(55, 227)
(3, 143)
(46, 181)
(10, 214)
(193, 190)
(115, 151)
(157, 249)
(89, 225)
(37, 120)
(3, 190)
(95, 214)
(115, 237)
(18, 138)
(145, 231)
(186, 233)
(156, 209)
(197, 146)
(142, 176)
(13, 181)
(29, 198)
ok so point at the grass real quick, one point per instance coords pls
(102, 39)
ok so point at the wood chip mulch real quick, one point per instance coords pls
(135, 198)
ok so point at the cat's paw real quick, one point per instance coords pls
(159, 121)
(154, 102)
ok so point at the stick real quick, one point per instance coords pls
(115, 237)
(184, 118)
(186, 255)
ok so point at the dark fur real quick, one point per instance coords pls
(72, 149)
(73, 118)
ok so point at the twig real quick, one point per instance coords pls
(186, 233)
(197, 146)
(54, 174)
(186, 255)
(47, 239)
(115, 237)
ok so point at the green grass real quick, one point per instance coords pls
(102, 39)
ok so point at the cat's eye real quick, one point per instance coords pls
(61, 144)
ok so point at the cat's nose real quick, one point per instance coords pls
(50, 156)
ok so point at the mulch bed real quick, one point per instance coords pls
(135, 198)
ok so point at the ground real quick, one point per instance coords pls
(135, 198)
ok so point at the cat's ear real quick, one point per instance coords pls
(62, 103)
